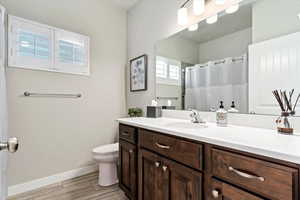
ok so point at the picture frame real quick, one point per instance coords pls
(138, 73)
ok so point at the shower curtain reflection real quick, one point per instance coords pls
(208, 84)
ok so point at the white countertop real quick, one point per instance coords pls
(263, 142)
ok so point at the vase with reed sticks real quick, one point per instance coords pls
(284, 124)
(288, 110)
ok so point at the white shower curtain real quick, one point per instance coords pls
(3, 107)
(215, 81)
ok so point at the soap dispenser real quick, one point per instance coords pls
(221, 115)
(233, 108)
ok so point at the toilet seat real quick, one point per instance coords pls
(107, 149)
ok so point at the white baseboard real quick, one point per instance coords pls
(38, 183)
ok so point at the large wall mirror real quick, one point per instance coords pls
(239, 59)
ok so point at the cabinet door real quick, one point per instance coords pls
(128, 168)
(223, 191)
(185, 183)
(153, 181)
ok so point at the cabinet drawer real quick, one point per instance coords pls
(182, 151)
(222, 191)
(268, 179)
(127, 133)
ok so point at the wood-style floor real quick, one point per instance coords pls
(81, 188)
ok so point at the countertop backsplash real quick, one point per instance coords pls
(257, 121)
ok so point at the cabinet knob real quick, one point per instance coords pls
(164, 168)
(130, 151)
(157, 164)
(215, 194)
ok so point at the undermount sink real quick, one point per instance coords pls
(186, 125)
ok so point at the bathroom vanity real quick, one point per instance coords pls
(174, 159)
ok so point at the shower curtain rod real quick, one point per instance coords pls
(223, 61)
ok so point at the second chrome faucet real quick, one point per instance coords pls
(196, 118)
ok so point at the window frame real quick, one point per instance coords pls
(168, 80)
(53, 64)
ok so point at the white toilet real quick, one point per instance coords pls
(107, 158)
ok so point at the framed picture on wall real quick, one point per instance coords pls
(138, 73)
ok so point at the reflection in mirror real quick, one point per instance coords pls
(248, 52)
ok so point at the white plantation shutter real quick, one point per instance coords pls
(37, 46)
(174, 71)
(168, 71)
(30, 45)
(161, 69)
(71, 52)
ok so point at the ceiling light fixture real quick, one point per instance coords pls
(220, 2)
(182, 16)
(194, 27)
(213, 19)
(198, 6)
(233, 8)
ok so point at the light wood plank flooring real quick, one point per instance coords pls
(81, 188)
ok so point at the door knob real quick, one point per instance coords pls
(215, 194)
(11, 145)
(164, 168)
(157, 164)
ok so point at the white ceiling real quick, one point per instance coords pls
(127, 4)
(226, 25)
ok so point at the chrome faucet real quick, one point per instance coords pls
(195, 115)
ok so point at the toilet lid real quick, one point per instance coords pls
(106, 149)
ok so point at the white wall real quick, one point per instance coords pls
(163, 90)
(232, 45)
(275, 19)
(147, 25)
(179, 49)
(57, 135)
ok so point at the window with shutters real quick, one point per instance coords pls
(168, 71)
(40, 47)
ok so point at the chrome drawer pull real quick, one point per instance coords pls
(162, 146)
(157, 164)
(245, 175)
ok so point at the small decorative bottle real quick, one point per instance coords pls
(222, 116)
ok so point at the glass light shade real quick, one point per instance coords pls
(194, 27)
(220, 2)
(233, 9)
(212, 19)
(198, 6)
(182, 16)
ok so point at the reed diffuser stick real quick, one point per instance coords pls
(294, 109)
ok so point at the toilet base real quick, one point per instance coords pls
(108, 174)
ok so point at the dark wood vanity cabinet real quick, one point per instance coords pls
(158, 166)
(128, 161)
(161, 179)
(153, 180)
